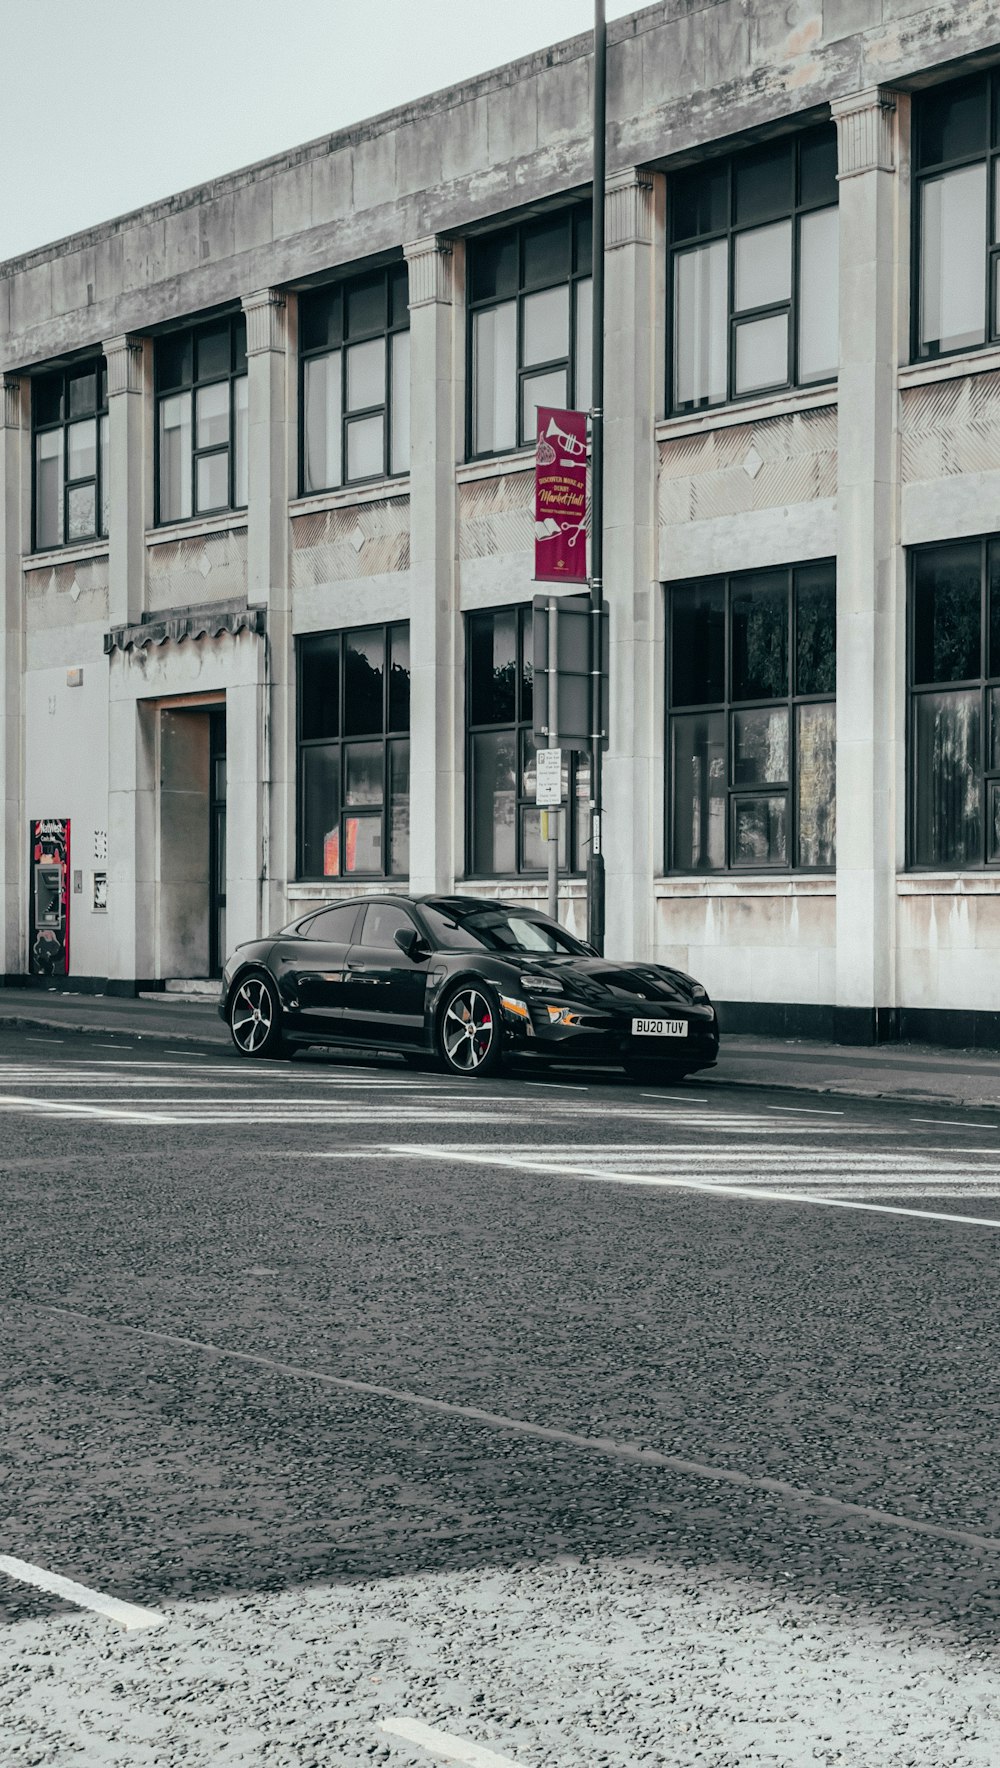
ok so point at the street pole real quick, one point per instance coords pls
(595, 862)
(552, 718)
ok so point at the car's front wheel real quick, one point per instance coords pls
(469, 1030)
(255, 1017)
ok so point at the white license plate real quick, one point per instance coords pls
(659, 1028)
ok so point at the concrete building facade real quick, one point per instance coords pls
(266, 475)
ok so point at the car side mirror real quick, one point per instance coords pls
(409, 942)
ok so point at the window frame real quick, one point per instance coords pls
(573, 216)
(729, 233)
(189, 388)
(576, 840)
(63, 424)
(920, 175)
(984, 683)
(727, 707)
(335, 293)
(386, 737)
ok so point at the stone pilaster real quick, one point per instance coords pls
(434, 695)
(271, 317)
(869, 585)
(631, 795)
(128, 364)
(14, 475)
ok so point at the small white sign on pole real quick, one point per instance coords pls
(548, 776)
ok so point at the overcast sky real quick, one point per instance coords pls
(110, 104)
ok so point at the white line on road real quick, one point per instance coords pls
(803, 1110)
(45, 1040)
(674, 1098)
(444, 1746)
(758, 1194)
(544, 1433)
(128, 1614)
(952, 1123)
(68, 1108)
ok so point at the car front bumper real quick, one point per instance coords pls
(593, 1036)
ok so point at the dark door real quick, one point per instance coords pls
(310, 966)
(217, 949)
(386, 990)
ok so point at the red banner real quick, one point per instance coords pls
(561, 496)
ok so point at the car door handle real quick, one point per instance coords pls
(368, 973)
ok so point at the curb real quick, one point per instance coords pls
(37, 1023)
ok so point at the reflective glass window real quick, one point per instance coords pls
(355, 381)
(956, 217)
(202, 431)
(69, 423)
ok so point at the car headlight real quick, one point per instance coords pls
(540, 984)
(563, 1016)
(698, 993)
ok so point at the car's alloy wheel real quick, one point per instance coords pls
(469, 1034)
(255, 1018)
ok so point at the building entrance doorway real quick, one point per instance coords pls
(191, 871)
(217, 952)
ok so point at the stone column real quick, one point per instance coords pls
(868, 747)
(13, 832)
(126, 358)
(433, 576)
(269, 384)
(132, 796)
(631, 815)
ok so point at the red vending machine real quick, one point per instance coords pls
(49, 955)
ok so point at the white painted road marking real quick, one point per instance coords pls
(951, 1123)
(545, 1433)
(708, 1187)
(443, 1745)
(128, 1614)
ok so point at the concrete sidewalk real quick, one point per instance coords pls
(909, 1072)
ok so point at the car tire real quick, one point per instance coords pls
(653, 1074)
(254, 1017)
(470, 1031)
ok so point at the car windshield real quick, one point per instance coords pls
(494, 928)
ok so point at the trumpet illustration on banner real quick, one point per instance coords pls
(569, 444)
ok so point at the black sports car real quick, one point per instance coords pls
(465, 982)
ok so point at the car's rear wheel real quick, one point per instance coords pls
(255, 1017)
(469, 1030)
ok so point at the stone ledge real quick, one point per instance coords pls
(729, 886)
(949, 884)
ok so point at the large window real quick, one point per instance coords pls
(955, 704)
(529, 327)
(753, 272)
(957, 190)
(354, 348)
(752, 737)
(201, 420)
(69, 416)
(354, 753)
(504, 822)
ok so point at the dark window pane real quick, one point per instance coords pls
(763, 183)
(239, 346)
(364, 663)
(364, 781)
(527, 666)
(993, 818)
(493, 666)
(760, 747)
(760, 636)
(948, 765)
(399, 809)
(319, 686)
(698, 644)
(816, 770)
(546, 251)
(173, 360)
(81, 512)
(760, 828)
(46, 398)
(399, 678)
(699, 792)
(319, 320)
(81, 392)
(399, 296)
(952, 123)
(494, 803)
(698, 201)
(815, 630)
(365, 300)
(212, 353)
(818, 167)
(383, 920)
(946, 613)
(493, 267)
(584, 233)
(335, 926)
(993, 666)
(321, 812)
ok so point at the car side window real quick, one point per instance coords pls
(382, 922)
(334, 926)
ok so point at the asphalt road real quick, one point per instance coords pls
(574, 1424)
